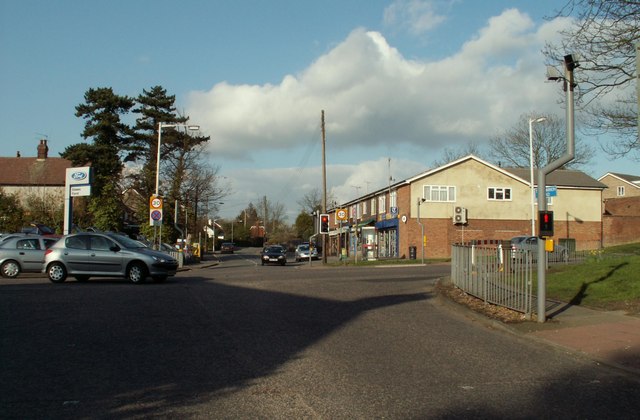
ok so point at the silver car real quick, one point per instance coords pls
(22, 253)
(302, 253)
(90, 254)
(529, 244)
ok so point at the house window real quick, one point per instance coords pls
(621, 191)
(382, 204)
(393, 198)
(364, 208)
(443, 193)
(373, 206)
(499, 194)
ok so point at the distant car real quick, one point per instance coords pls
(273, 254)
(302, 253)
(522, 244)
(87, 254)
(227, 248)
(23, 253)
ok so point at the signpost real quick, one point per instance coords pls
(77, 184)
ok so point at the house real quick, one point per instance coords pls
(41, 176)
(621, 208)
(620, 185)
(463, 201)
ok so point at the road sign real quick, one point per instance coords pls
(550, 191)
(155, 202)
(341, 214)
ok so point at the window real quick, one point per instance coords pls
(499, 194)
(75, 242)
(393, 198)
(364, 208)
(28, 244)
(621, 191)
(382, 204)
(442, 193)
(373, 206)
(99, 243)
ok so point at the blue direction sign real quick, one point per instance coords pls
(550, 191)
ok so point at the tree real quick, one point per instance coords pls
(450, 154)
(12, 213)
(511, 148)
(304, 227)
(604, 34)
(102, 111)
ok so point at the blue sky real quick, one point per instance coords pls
(397, 79)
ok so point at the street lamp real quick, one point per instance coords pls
(533, 199)
(160, 127)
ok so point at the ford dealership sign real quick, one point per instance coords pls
(78, 176)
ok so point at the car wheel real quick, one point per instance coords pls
(10, 269)
(56, 273)
(136, 273)
(283, 263)
(82, 279)
(159, 279)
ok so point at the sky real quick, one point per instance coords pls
(398, 81)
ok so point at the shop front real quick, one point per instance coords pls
(387, 238)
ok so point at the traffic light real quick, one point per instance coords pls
(545, 223)
(324, 223)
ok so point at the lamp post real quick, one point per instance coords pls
(160, 127)
(420, 201)
(533, 198)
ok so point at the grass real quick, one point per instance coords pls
(609, 280)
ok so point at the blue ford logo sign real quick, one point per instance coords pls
(78, 176)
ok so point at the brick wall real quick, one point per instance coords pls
(619, 230)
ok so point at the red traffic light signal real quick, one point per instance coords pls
(324, 223)
(545, 223)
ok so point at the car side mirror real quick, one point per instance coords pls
(115, 248)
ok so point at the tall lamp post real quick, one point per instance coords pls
(160, 127)
(533, 198)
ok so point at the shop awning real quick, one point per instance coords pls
(387, 224)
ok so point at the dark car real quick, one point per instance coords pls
(274, 254)
(23, 253)
(85, 255)
(227, 248)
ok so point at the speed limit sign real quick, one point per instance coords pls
(341, 214)
(155, 210)
(155, 203)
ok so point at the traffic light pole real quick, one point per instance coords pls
(570, 63)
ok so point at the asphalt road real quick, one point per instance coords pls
(241, 340)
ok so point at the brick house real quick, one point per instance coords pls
(41, 176)
(621, 208)
(495, 201)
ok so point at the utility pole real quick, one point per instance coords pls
(324, 188)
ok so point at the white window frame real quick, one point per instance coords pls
(373, 206)
(382, 204)
(621, 191)
(499, 192)
(364, 208)
(448, 192)
(393, 198)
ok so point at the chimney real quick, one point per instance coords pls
(18, 153)
(43, 150)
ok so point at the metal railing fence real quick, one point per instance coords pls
(494, 274)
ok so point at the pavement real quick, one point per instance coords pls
(608, 337)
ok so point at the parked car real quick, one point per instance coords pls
(85, 255)
(302, 252)
(227, 248)
(520, 244)
(23, 253)
(274, 254)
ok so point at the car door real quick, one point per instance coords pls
(76, 254)
(30, 253)
(104, 255)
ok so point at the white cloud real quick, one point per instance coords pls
(374, 97)
(419, 16)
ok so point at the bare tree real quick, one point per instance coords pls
(449, 154)
(511, 148)
(604, 34)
